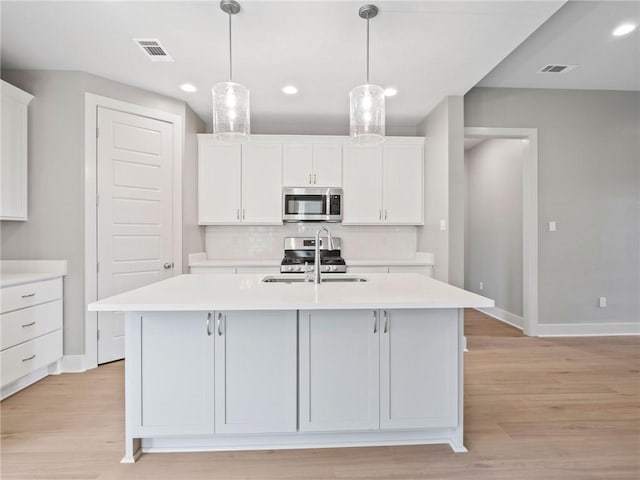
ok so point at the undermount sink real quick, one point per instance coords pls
(325, 279)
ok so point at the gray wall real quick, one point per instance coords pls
(443, 130)
(55, 229)
(589, 183)
(493, 233)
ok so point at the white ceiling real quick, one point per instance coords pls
(578, 34)
(428, 50)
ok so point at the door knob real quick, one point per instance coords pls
(168, 265)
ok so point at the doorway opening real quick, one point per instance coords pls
(501, 222)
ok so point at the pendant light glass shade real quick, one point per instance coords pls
(366, 102)
(367, 115)
(231, 115)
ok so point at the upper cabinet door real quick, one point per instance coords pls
(297, 163)
(402, 198)
(362, 183)
(13, 162)
(262, 184)
(327, 165)
(219, 183)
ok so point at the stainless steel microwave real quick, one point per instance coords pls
(312, 204)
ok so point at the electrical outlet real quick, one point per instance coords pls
(481, 285)
(552, 226)
(443, 225)
(602, 302)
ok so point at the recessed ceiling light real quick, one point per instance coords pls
(187, 87)
(624, 29)
(289, 90)
(390, 92)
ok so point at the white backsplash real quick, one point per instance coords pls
(266, 242)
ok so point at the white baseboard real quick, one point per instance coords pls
(586, 329)
(72, 364)
(503, 316)
(23, 382)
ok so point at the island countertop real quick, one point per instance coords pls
(248, 292)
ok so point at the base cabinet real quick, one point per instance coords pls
(339, 370)
(418, 369)
(174, 366)
(255, 370)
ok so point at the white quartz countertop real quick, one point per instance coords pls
(247, 292)
(12, 279)
(19, 272)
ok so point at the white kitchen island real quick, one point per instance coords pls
(229, 362)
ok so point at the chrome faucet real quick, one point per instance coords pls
(316, 274)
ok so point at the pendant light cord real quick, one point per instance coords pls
(367, 49)
(230, 64)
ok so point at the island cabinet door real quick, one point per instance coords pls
(171, 354)
(256, 369)
(419, 368)
(339, 370)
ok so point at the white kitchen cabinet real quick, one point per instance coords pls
(255, 371)
(30, 332)
(262, 184)
(418, 384)
(13, 162)
(339, 370)
(383, 184)
(315, 165)
(402, 176)
(419, 269)
(239, 184)
(219, 182)
(387, 369)
(362, 185)
(368, 269)
(174, 363)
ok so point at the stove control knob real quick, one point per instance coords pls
(286, 268)
(298, 268)
(332, 268)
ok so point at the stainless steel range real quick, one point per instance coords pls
(299, 255)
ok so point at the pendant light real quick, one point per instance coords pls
(231, 116)
(367, 101)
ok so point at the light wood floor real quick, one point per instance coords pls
(562, 408)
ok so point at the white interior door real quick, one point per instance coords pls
(135, 224)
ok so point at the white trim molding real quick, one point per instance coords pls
(72, 364)
(529, 216)
(91, 104)
(587, 329)
(502, 315)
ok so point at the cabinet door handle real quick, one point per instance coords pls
(29, 324)
(309, 179)
(379, 214)
(386, 321)
(314, 179)
(385, 214)
(238, 214)
(375, 321)
(243, 213)
(29, 358)
(219, 324)
(209, 324)
(29, 295)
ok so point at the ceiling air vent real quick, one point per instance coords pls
(551, 68)
(152, 48)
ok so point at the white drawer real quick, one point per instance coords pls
(27, 295)
(22, 325)
(29, 356)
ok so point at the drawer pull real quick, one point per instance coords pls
(29, 295)
(29, 324)
(29, 358)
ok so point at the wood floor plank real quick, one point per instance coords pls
(550, 409)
